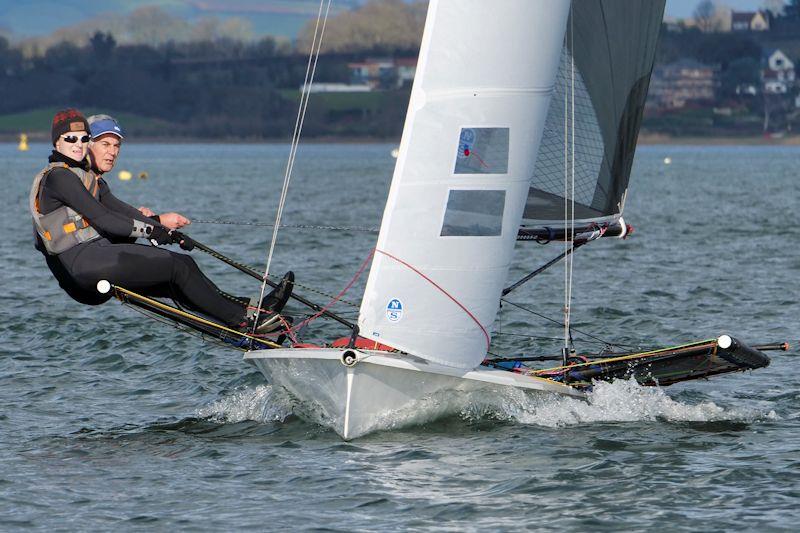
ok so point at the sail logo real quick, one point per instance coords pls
(394, 310)
(465, 142)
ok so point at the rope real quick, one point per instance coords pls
(566, 196)
(213, 253)
(569, 195)
(311, 68)
(628, 357)
(545, 338)
(336, 298)
(196, 318)
(205, 337)
(363, 229)
(554, 321)
(429, 280)
(287, 329)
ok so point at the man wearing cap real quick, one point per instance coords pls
(86, 236)
(107, 136)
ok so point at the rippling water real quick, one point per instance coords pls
(110, 420)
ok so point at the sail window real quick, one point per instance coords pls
(482, 151)
(472, 213)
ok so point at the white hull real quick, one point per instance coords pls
(369, 394)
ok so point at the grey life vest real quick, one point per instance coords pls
(64, 227)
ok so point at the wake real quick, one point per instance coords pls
(618, 401)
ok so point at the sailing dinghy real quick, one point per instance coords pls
(485, 144)
(522, 126)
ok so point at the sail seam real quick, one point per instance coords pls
(490, 91)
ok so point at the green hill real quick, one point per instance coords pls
(34, 18)
(36, 122)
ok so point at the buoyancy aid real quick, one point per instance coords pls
(64, 227)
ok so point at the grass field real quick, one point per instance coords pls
(38, 121)
(368, 101)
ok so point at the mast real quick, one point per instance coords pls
(477, 111)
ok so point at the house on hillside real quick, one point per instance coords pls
(778, 74)
(750, 21)
(336, 88)
(383, 73)
(677, 84)
(406, 69)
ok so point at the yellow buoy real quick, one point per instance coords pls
(124, 175)
(143, 175)
(23, 142)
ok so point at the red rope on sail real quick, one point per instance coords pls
(429, 280)
(336, 298)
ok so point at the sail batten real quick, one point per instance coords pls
(475, 119)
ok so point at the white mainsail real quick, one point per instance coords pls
(475, 119)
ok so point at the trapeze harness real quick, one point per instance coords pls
(79, 255)
(62, 228)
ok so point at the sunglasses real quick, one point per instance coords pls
(72, 139)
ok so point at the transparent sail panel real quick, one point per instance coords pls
(474, 214)
(482, 151)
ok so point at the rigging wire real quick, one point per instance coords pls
(572, 184)
(363, 229)
(338, 297)
(545, 338)
(311, 68)
(569, 188)
(554, 321)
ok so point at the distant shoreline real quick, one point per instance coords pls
(645, 139)
(751, 140)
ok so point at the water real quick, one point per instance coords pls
(109, 420)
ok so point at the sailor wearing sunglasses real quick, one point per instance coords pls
(87, 235)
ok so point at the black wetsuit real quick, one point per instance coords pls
(145, 269)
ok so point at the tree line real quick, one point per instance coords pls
(219, 86)
(214, 84)
(211, 89)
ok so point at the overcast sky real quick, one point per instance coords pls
(685, 8)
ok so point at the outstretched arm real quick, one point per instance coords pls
(173, 220)
(113, 203)
(144, 214)
(65, 187)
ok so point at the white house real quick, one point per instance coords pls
(749, 21)
(778, 74)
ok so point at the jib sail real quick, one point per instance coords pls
(601, 88)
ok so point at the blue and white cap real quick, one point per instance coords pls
(102, 124)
